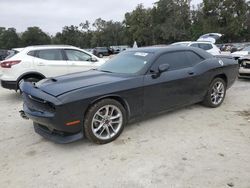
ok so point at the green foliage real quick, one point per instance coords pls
(34, 36)
(172, 20)
(8, 38)
(139, 25)
(228, 17)
(70, 35)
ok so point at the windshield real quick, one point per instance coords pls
(247, 48)
(127, 63)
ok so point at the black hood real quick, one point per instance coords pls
(63, 84)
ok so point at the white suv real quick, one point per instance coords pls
(34, 63)
(207, 46)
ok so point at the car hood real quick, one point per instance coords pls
(67, 83)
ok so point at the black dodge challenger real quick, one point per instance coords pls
(97, 104)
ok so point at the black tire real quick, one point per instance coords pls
(90, 118)
(100, 55)
(208, 100)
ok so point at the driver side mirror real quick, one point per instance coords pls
(163, 68)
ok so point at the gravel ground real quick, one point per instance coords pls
(195, 147)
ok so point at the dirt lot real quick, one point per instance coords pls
(195, 147)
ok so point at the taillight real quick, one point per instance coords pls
(9, 64)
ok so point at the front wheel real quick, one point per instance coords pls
(104, 121)
(216, 93)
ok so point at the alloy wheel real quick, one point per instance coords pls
(218, 92)
(107, 122)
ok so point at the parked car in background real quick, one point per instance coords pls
(34, 63)
(102, 51)
(245, 51)
(118, 49)
(3, 54)
(90, 50)
(244, 71)
(207, 46)
(11, 53)
(232, 47)
(137, 83)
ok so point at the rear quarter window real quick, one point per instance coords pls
(194, 58)
(205, 46)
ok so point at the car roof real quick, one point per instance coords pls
(183, 42)
(162, 50)
(48, 46)
(17, 49)
(189, 42)
(207, 42)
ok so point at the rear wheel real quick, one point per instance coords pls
(216, 93)
(104, 121)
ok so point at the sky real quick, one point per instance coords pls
(52, 15)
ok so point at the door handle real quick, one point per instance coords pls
(191, 73)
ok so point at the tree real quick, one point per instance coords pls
(107, 33)
(70, 35)
(197, 20)
(139, 26)
(172, 20)
(228, 17)
(9, 38)
(35, 36)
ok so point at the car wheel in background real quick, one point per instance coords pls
(31, 79)
(100, 55)
(216, 93)
(104, 121)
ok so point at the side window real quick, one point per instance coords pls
(32, 53)
(176, 60)
(75, 55)
(195, 45)
(194, 58)
(205, 46)
(50, 54)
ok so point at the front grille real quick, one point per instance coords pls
(36, 104)
(247, 66)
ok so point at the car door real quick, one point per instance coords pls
(172, 88)
(79, 61)
(50, 62)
